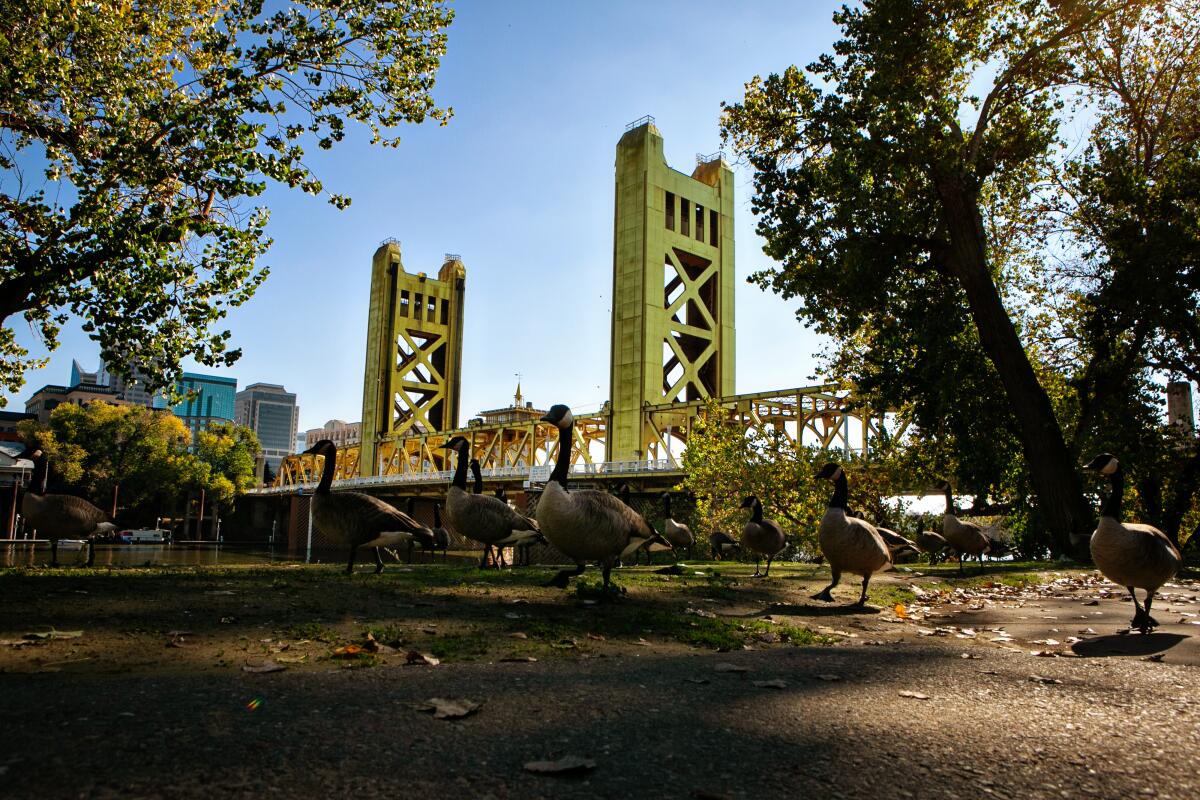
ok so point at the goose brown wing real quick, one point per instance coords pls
(1154, 544)
(595, 504)
(373, 513)
(80, 509)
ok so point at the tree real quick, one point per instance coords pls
(125, 459)
(132, 136)
(882, 193)
(229, 451)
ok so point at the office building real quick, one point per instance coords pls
(271, 412)
(207, 399)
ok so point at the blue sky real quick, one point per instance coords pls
(520, 183)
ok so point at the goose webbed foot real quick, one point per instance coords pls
(91, 555)
(824, 595)
(560, 580)
(378, 560)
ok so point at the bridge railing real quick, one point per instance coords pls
(534, 475)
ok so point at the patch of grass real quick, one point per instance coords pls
(311, 630)
(392, 635)
(359, 661)
(460, 646)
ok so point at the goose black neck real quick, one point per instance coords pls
(841, 493)
(477, 477)
(563, 462)
(460, 469)
(37, 478)
(327, 471)
(668, 501)
(949, 500)
(1112, 506)
(437, 515)
(756, 511)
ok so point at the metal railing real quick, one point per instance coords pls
(639, 122)
(536, 474)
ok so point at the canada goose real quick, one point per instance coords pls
(897, 544)
(358, 519)
(489, 553)
(60, 516)
(965, 537)
(650, 546)
(849, 544)
(678, 534)
(485, 519)
(722, 545)
(929, 542)
(441, 539)
(585, 525)
(763, 537)
(1130, 554)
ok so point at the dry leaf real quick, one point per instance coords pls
(596, 636)
(291, 659)
(913, 695)
(568, 765)
(518, 635)
(829, 677)
(899, 611)
(377, 647)
(1040, 679)
(413, 657)
(772, 684)
(725, 666)
(349, 651)
(449, 709)
(264, 666)
(519, 659)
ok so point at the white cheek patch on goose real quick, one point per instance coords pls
(838, 473)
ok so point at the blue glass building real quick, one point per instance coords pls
(212, 401)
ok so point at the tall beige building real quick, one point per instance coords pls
(340, 432)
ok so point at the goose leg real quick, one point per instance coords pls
(560, 580)
(756, 562)
(862, 600)
(825, 594)
(1139, 616)
(408, 557)
(960, 562)
(54, 552)
(606, 568)
(768, 572)
(91, 559)
(1148, 621)
(378, 560)
(487, 549)
(350, 564)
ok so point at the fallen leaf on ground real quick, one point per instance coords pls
(697, 680)
(519, 659)
(377, 647)
(725, 666)
(568, 765)
(913, 695)
(596, 636)
(970, 655)
(641, 642)
(1040, 679)
(772, 684)
(518, 635)
(829, 677)
(1092, 603)
(449, 709)
(264, 666)
(178, 641)
(413, 657)
(54, 634)
(899, 611)
(349, 651)
(291, 659)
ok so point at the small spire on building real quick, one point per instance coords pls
(517, 397)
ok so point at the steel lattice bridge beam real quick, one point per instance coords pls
(822, 415)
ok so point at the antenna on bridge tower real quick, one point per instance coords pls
(673, 283)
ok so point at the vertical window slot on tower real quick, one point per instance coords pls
(699, 222)
(670, 211)
(685, 213)
(418, 306)
(713, 221)
(404, 302)
(445, 312)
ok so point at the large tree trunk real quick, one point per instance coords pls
(1051, 467)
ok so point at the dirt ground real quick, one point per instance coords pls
(699, 681)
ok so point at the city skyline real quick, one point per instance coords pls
(520, 183)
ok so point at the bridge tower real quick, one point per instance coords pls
(672, 321)
(413, 374)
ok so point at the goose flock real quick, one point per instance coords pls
(588, 525)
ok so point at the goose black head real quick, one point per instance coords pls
(749, 502)
(457, 443)
(1105, 464)
(942, 486)
(831, 472)
(322, 448)
(559, 415)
